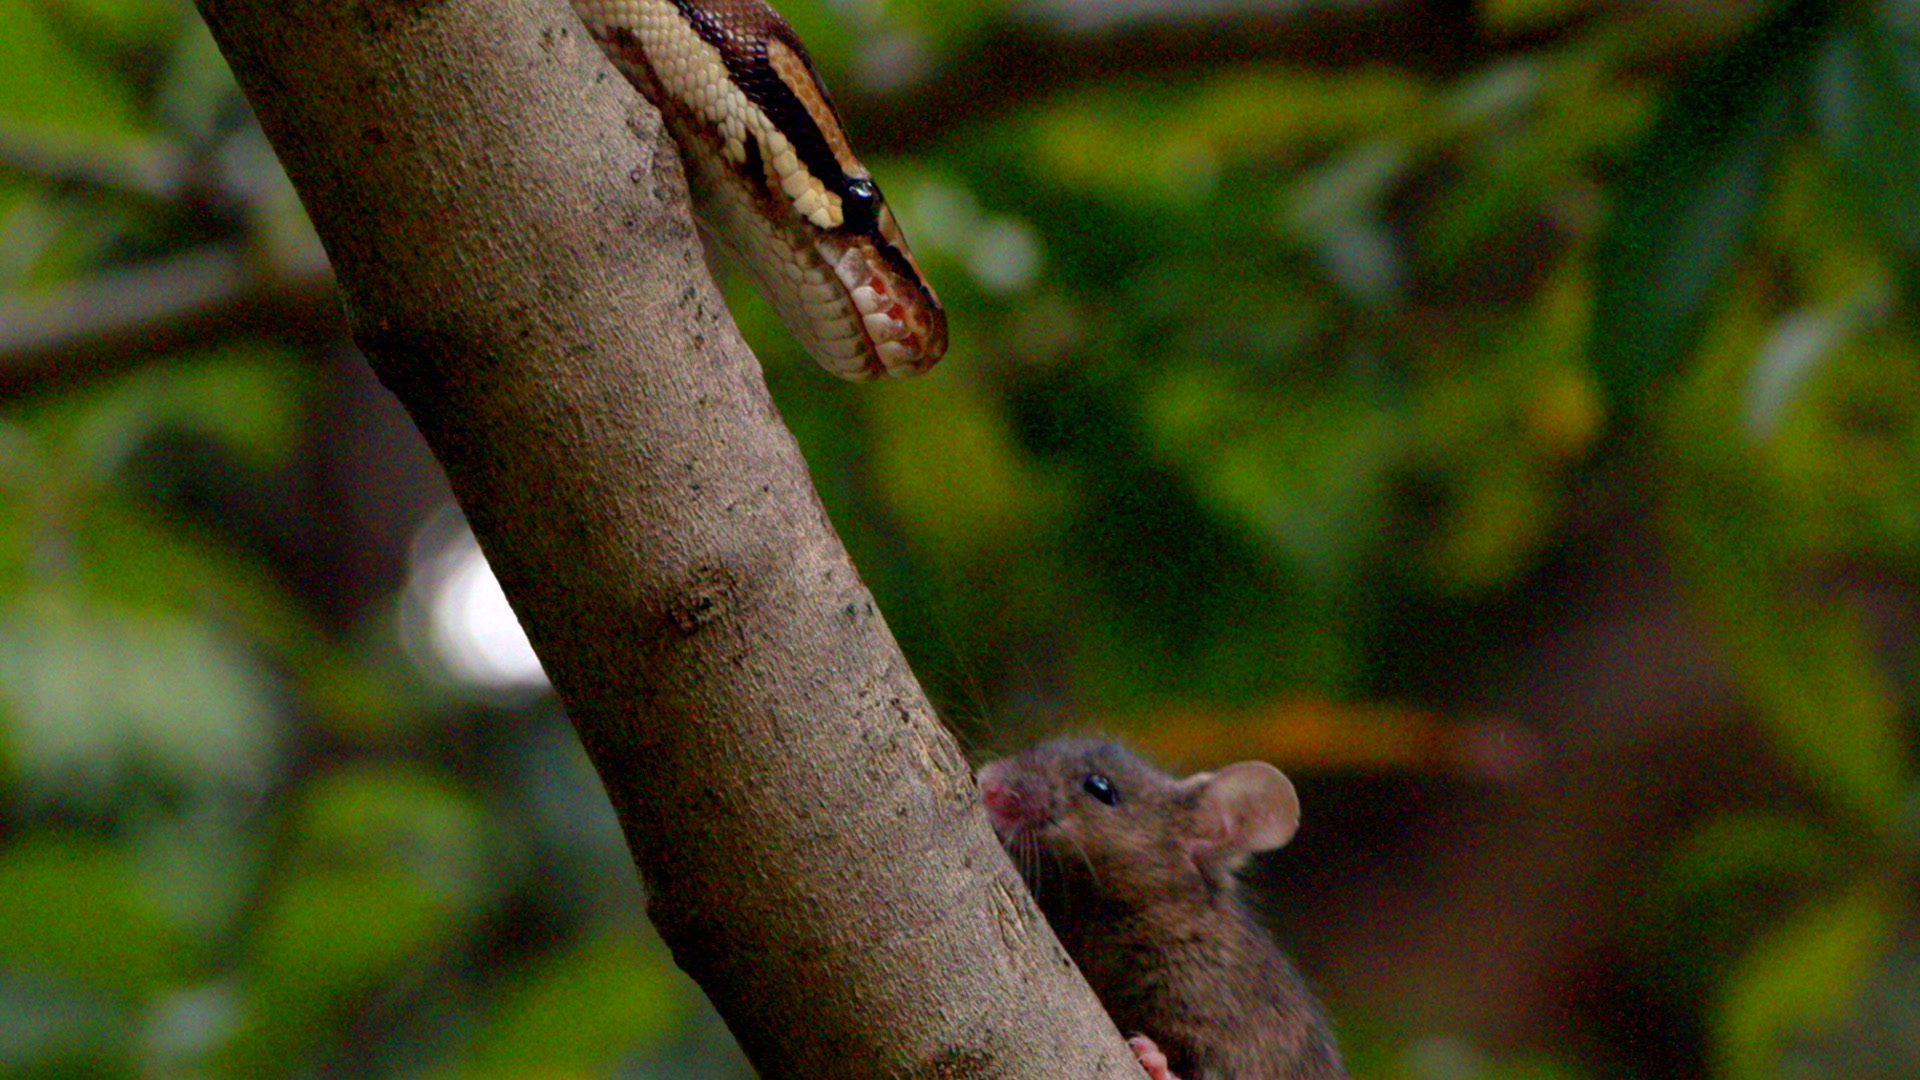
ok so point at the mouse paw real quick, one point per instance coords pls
(1151, 1059)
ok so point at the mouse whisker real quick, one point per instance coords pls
(1027, 851)
(1088, 861)
(1026, 856)
(1039, 860)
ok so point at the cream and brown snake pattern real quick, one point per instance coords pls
(774, 180)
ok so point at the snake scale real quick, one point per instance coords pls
(774, 180)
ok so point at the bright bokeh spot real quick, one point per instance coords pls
(456, 609)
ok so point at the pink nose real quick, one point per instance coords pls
(1008, 804)
(1001, 802)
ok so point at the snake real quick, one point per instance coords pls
(774, 180)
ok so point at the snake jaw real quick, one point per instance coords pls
(898, 335)
(774, 180)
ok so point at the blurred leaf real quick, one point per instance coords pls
(949, 466)
(1337, 209)
(1802, 654)
(1175, 603)
(250, 399)
(1866, 107)
(247, 398)
(1725, 881)
(360, 698)
(1799, 344)
(1878, 1038)
(1159, 148)
(1497, 438)
(52, 1029)
(90, 699)
(1799, 978)
(201, 861)
(126, 24)
(943, 22)
(183, 1029)
(390, 867)
(1691, 197)
(134, 557)
(577, 1013)
(1736, 847)
(1519, 156)
(1806, 662)
(1851, 447)
(44, 82)
(1309, 478)
(196, 94)
(72, 907)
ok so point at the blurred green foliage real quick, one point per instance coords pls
(1258, 363)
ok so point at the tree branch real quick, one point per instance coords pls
(1011, 63)
(147, 169)
(521, 272)
(105, 324)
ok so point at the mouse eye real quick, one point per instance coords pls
(1100, 788)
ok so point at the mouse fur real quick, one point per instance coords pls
(1136, 871)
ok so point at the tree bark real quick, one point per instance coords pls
(510, 235)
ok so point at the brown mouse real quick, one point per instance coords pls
(1136, 872)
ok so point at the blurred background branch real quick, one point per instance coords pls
(99, 327)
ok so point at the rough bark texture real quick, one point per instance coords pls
(511, 240)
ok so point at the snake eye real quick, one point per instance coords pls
(1100, 788)
(860, 204)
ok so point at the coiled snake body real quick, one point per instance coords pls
(774, 179)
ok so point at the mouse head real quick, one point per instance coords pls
(1092, 804)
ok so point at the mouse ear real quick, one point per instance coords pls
(1242, 809)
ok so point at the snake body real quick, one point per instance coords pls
(773, 177)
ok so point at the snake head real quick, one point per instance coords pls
(774, 180)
